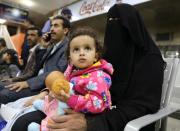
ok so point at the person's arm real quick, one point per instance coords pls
(97, 98)
(24, 77)
(58, 63)
(41, 95)
(17, 86)
(73, 121)
(37, 82)
(35, 65)
(13, 70)
(30, 69)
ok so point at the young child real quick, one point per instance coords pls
(10, 59)
(89, 74)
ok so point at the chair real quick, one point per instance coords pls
(167, 108)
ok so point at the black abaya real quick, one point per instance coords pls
(138, 77)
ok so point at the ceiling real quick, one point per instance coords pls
(156, 13)
(41, 9)
(40, 6)
(161, 12)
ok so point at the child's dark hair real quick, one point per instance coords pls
(2, 42)
(14, 56)
(89, 32)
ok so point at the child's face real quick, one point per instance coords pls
(82, 51)
(6, 57)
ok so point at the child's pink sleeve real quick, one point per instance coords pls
(97, 97)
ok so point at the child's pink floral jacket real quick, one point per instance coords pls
(91, 87)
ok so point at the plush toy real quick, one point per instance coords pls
(55, 82)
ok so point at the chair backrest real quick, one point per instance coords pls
(175, 100)
(177, 82)
(170, 74)
(169, 80)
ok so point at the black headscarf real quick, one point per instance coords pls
(127, 17)
(138, 70)
(127, 42)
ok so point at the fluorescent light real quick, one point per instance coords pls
(2, 21)
(106, 8)
(28, 3)
(134, 2)
(16, 12)
(74, 18)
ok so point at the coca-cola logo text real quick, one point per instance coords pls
(89, 8)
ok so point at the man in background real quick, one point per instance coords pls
(54, 59)
(2, 46)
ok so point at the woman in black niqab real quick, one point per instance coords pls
(138, 64)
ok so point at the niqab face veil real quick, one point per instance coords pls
(127, 17)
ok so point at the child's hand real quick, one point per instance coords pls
(35, 97)
(64, 96)
(30, 101)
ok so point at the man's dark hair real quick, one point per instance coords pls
(2, 42)
(35, 28)
(66, 12)
(30, 21)
(66, 22)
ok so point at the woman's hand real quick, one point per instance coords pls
(72, 121)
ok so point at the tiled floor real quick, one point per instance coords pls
(174, 121)
(173, 124)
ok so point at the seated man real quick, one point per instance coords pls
(54, 59)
